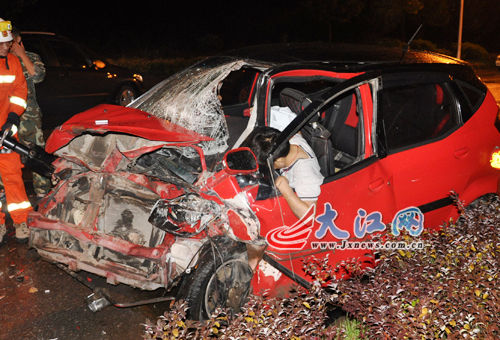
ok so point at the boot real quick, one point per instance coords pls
(3, 231)
(22, 232)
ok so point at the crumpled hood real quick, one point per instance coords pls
(112, 118)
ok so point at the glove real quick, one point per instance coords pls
(11, 123)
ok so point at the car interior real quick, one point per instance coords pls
(335, 133)
(236, 97)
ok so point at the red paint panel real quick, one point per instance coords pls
(105, 118)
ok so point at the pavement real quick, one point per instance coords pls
(491, 77)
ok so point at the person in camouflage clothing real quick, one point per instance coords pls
(30, 129)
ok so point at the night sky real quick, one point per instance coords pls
(168, 27)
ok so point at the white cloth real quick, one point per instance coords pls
(280, 117)
(304, 175)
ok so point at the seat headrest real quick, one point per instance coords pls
(296, 100)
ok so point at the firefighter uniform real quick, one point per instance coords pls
(13, 93)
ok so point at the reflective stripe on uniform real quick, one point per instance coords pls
(18, 101)
(7, 79)
(18, 206)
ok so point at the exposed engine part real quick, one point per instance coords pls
(184, 253)
(97, 302)
(184, 216)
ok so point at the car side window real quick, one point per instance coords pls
(237, 86)
(69, 55)
(416, 113)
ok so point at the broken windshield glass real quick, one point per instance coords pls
(190, 99)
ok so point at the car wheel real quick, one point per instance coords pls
(221, 279)
(126, 95)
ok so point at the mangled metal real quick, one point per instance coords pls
(127, 208)
(140, 205)
(185, 216)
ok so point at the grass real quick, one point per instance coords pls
(352, 329)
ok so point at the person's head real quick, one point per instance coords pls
(16, 34)
(5, 37)
(263, 141)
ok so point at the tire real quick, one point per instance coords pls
(221, 279)
(125, 95)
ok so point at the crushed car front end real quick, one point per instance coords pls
(96, 217)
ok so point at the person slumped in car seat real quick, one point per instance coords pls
(300, 176)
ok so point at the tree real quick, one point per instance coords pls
(332, 13)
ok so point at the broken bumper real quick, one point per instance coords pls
(118, 260)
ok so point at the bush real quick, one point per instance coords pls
(449, 290)
(474, 52)
(301, 315)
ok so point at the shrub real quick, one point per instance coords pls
(449, 290)
(474, 52)
(422, 44)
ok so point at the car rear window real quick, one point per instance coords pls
(473, 97)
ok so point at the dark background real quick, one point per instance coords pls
(174, 28)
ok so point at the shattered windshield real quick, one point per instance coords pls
(189, 99)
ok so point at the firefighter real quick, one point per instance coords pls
(13, 93)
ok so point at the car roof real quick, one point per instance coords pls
(339, 52)
(350, 57)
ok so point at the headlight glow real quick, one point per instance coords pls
(138, 77)
(495, 159)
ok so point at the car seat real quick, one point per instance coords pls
(316, 135)
(296, 100)
(342, 121)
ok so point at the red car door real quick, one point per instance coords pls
(356, 200)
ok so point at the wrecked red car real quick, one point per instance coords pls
(160, 194)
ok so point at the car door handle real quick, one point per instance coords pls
(461, 153)
(376, 185)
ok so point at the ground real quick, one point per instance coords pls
(40, 301)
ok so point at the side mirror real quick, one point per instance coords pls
(99, 64)
(240, 161)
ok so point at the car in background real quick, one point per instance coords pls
(76, 79)
(497, 62)
(166, 193)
